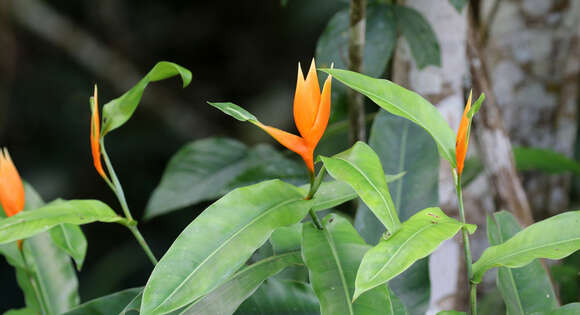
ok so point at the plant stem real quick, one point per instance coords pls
(314, 185)
(118, 190)
(467, 249)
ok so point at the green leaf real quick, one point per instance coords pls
(333, 193)
(527, 289)
(380, 39)
(544, 160)
(476, 106)
(568, 309)
(235, 111)
(108, 304)
(134, 305)
(418, 237)
(219, 241)
(208, 168)
(28, 223)
(553, 238)
(227, 297)
(21, 311)
(458, 4)
(71, 239)
(403, 146)
(405, 103)
(286, 239)
(276, 296)
(48, 280)
(332, 256)
(118, 111)
(361, 168)
(451, 313)
(420, 36)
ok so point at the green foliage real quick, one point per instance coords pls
(219, 241)
(554, 238)
(71, 239)
(235, 111)
(418, 237)
(568, 309)
(361, 168)
(405, 103)
(226, 298)
(281, 297)
(420, 36)
(209, 168)
(109, 304)
(380, 39)
(404, 147)
(544, 160)
(527, 289)
(458, 4)
(286, 238)
(332, 256)
(118, 111)
(28, 223)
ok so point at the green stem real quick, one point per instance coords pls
(467, 249)
(118, 190)
(314, 185)
(33, 283)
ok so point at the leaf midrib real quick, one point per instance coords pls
(340, 271)
(227, 241)
(389, 211)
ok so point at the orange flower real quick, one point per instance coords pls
(311, 113)
(96, 134)
(462, 140)
(11, 188)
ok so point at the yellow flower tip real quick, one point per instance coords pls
(12, 195)
(96, 134)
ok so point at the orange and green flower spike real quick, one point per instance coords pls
(96, 134)
(462, 141)
(311, 114)
(12, 195)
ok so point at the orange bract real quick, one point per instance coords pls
(11, 188)
(462, 140)
(95, 135)
(311, 114)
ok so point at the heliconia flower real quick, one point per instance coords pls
(96, 134)
(311, 113)
(11, 187)
(462, 140)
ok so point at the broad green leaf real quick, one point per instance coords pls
(420, 36)
(108, 304)
(451, 313)
(405, 103)
(21, 311)
(418, 237)
(28, 223)
(380, 39)
(11, 252)
(527, 289)
(458, 4)
(219, 241)
(208, 168)
(286, 239)
(332, 256)
(404, 147)
(276, 296)
(71, 239)
(361, 168)
(227, 297)
(49, 282)
(544, 160)
(118, 111)
(568, 309)
(553, 238)
(334, 193)
(134, 305)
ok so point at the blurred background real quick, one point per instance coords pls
(53, 52)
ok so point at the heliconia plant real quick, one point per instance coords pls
(275, 238)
